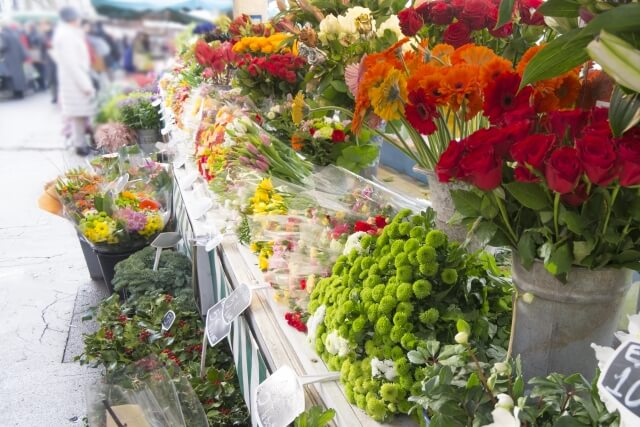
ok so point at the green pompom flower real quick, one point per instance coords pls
(436, 238)
(449, 276)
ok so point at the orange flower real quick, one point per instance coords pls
(473, 104)
(458, 82)
(568, 90)
(424, 71)
(433, 88)
(443, 54)
(297, 142)
(149, 204)
(473, 55)
(557, 93)
(495, 67)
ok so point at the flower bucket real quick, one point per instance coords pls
(371, 171)
(554, 331)
(147, 139)
(108, 261)
(442, 204)
(90, 257)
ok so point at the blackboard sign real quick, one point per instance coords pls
(216, 327)
(237, 302)
(167, 320)
(621, 380)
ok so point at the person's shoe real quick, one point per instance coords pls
(83, 151)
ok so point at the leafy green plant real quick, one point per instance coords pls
(315, 417)
(138, 112)
(135, 275)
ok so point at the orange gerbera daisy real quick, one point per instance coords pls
(473, 55)
(473, 104)
(494, 68)
(443, 54)
(390, 96)
(458, 82)
(422, 72)
(568, 90)
(297, 142)
(433, 88)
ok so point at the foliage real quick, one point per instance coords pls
(136, 276)
(314, 417)
(394, 293)
(138, 112)
(131, 331)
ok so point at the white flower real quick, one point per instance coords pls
(383, 368)
(354, 13)
(335, 344)
(503, 418)
(353, 242)
(271, 115)
(393, 24)
(335, 246)
(504, 401)
(462, 338)
(329, 28)
(634, 330)
(314, 321)
(502, 368)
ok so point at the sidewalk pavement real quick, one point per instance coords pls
(42, 276)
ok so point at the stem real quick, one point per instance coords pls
(614, 196)
(505, 219)
(556, 209)
(514, 313)
(483, 379)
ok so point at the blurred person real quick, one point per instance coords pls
(12, 60)
(127, 55)
(36, 50)
(112, 60)
(76, 90)
(50, 65)
(142, 53)
(99, 50)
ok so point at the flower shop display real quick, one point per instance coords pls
(139, 113)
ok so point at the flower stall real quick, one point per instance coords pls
(476, 303)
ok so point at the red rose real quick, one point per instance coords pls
(338, 136)
(482, 169)
(410, 21)
(447, 167)
(513, 133)
(491, 137)
(629, 158)
(567, 123)
(492, 19)
(381, 222)
(563, 169)
(533, 150)
(474, 14)
(501, 97)
(203, 52)
(441, 13)
(363, 226)
(457, 34)
(425, 11)
(577, 197)
(457, 6)
(528, 14)
(598, 157)
(522, 174)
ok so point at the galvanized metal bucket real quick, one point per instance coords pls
(147, 139)
(554, 332)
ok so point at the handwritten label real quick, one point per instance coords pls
(167, 320)
(216, 328)
(279, 399)
(621, 380)
(237, 302)
(214, 242)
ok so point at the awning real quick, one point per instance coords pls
(134, 9)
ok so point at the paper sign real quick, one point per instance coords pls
(216, 328)
(165, 131)
(621, 380)
(167, 320)
(214, 243)
(279, 399)
(237, 302)
(201, 208)
(156, 102)
(179, 162)
(188, 180)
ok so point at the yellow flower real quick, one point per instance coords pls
(297, 108)
(390, 96)
(254, 247)
(266, 185)
(128, 195)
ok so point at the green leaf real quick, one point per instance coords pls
(527, 249)
(473, 381)
(560, 260)
(485, 231)
(505, 12)
(624, 111)
(581, 250)
(488, 209)
(466, 202)
(557, 57)
(617, 20)
(574, 221)
(340, 86)
(561, 8)
(530, 195)
(567, 421)
(463, 326)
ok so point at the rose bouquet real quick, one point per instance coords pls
(558, 187)
(217, 59)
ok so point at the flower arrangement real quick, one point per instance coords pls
(275, 43)
(111, 137)
(218, 60)
(76, 190)
(138, 112)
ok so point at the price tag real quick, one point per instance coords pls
(216, 328)
(165, 131)
(188, 180)
(179, 162)
(200, 208)
(156, 102)
(214, 243)
(279, 399)
(237, 302)
(621, 381)
(167, 320)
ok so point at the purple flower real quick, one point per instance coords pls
(252, 149)
(135, 220)
(265, 139)
(262, 165)
(263, 159)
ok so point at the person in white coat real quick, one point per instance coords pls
(76, 92)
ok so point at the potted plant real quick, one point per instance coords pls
(562, 190)
(139, 113)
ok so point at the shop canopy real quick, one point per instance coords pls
(134, 9)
